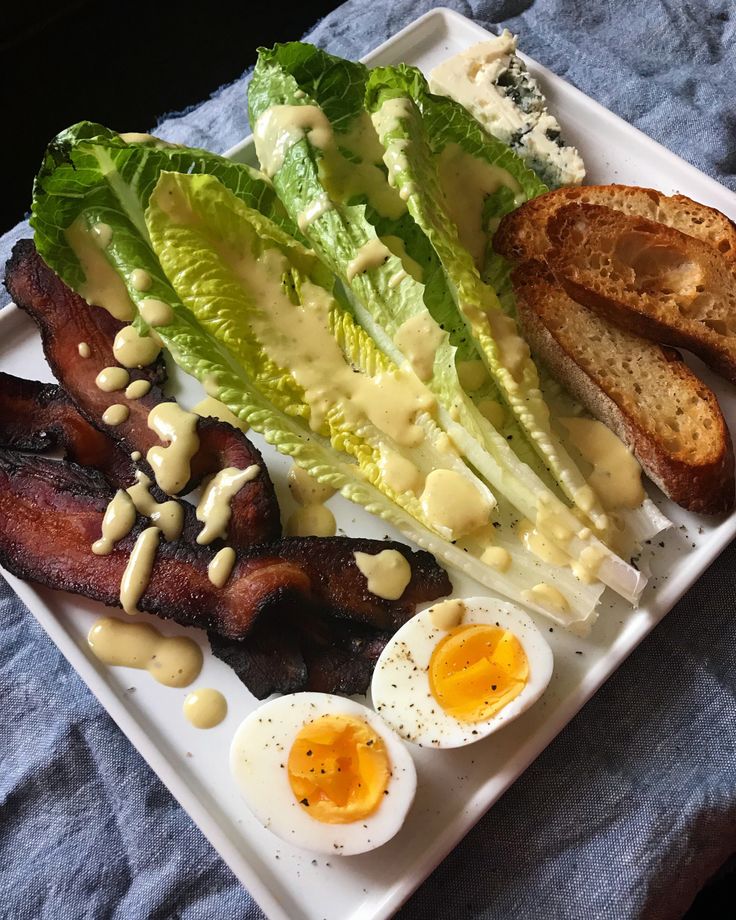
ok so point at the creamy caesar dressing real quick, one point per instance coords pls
(472, 374)
(411, 267)
(282, 126)
(136, 137)
(497, 557)
(167, 516)
(313, 518)
(452, 501)
(173, 662)
(538, 543)
(418, 339)
(209, 407)
(213, 509)
(399, 473)
(131, 349)
(156, 312)
(84, 350)
(138, 571)
(513, 351)
(552, 518)
(115, 415)
(466, 183)
(137, 389)
(370, 255)
(140, 280)
(178, 429)
(102, 234)
(102, 286)
(313, 211)
(616, 476)
(305, 489)
(298, 337)
(112, 378)
(447, 614)
(493, 411)
(205, 707)
(117, 523)
(586, 566)
(358, 174)
(221, 566)
(547, 596)
(387, 573)
(385, 120)
(311, 521)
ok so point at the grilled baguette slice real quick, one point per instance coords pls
(654, 280)
(522, 234)
(646, 394)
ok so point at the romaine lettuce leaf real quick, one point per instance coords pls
(219, 254)
(406, 115)
(310, 125)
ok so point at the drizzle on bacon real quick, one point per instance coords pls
(64, 320)
(59, 506)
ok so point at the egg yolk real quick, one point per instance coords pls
(338, 769)
(476, 670)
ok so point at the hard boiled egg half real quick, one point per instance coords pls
(459, 671)
(323, 773)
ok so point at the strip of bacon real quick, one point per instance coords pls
(37, 417)
(40, 416)
(59, 506)
(64, 320)
(299, 649)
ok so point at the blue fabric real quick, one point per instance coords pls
(629, 811)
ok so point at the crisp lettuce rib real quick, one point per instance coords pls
(214, 249)
(307, 108)
(403, 112)
(95, 177)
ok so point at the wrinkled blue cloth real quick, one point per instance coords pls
(629, 811)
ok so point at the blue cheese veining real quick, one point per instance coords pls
(493, 84)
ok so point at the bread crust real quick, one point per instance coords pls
(706, 487)
(650, 311)
(522, 233)
(704, 484)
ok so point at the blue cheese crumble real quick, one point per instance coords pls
(493, 84)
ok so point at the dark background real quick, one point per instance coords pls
(126, 64)
(123, 65)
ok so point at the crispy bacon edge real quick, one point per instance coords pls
(64, 320)
(307, 592)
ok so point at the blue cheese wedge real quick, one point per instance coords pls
(493, 84)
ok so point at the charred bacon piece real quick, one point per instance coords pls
(59, 506)
(303, 649)
(40, 416)
(269, 660)
(64, 320)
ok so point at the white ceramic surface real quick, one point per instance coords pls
(456, 786)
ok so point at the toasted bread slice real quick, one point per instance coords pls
(522, 234)
(651, 279)
(646, 394)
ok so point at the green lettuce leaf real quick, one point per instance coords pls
(196, 226)
(407, 116)
(310, 124)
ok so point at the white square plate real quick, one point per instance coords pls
(455, 787)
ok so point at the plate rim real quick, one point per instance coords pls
(397, 892)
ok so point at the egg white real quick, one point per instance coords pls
(258, 758)
(401, 691)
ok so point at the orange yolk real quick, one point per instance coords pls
(476, 670)
(338, 769)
